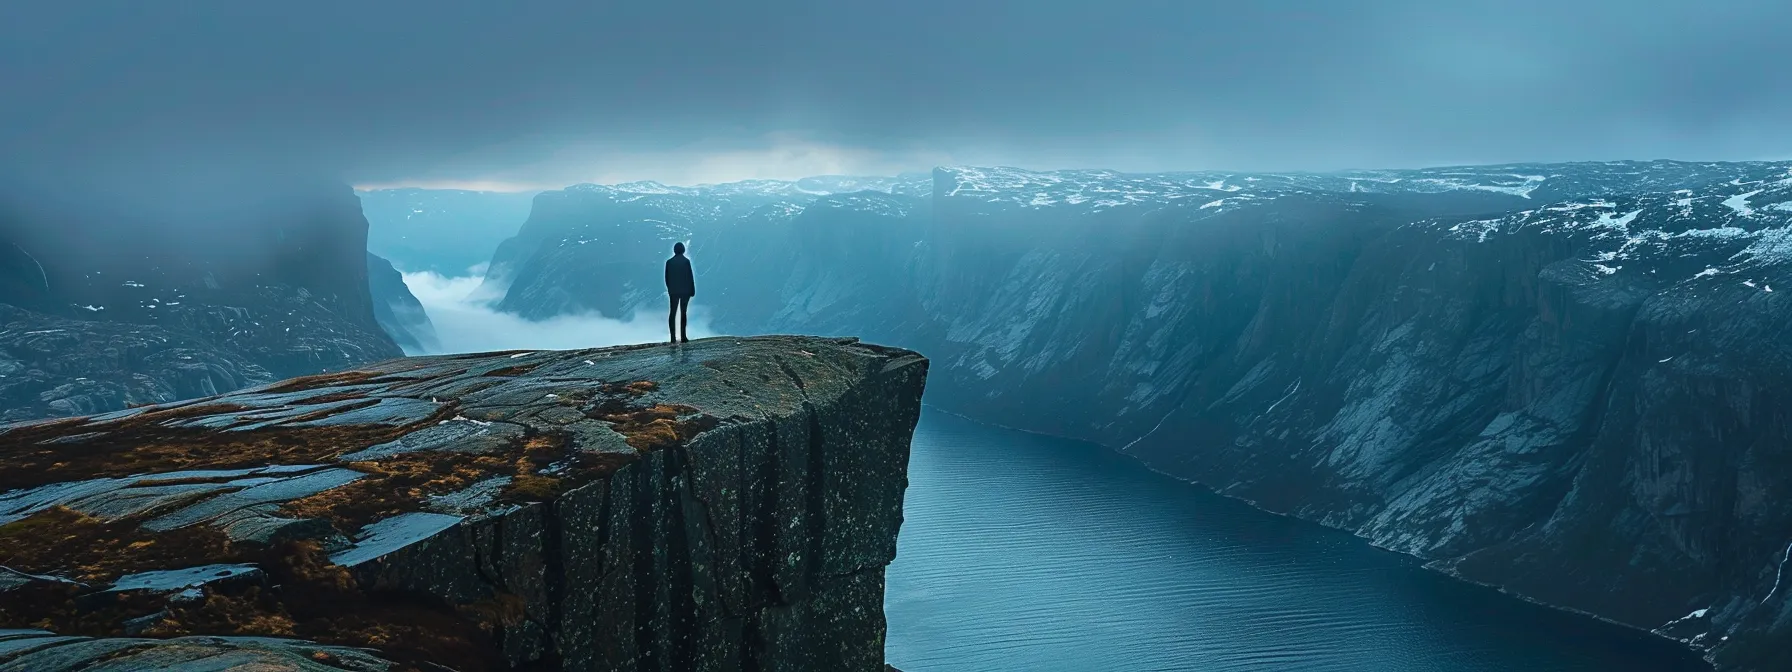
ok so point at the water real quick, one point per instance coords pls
(1022, 552)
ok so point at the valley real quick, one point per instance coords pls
(1558, 379)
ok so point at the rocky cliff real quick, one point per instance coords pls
(1558, 379)
(397, 311)
(146, 290)
(723, 504)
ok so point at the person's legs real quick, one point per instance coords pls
(672, 320)
(684, 319)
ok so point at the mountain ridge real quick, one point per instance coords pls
(1432, 360)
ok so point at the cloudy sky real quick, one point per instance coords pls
(537, 92)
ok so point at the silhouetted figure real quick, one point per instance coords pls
(681, 287)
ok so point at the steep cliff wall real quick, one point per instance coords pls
(1558, 379)
(397, 311)
(117, 284)
(723, 504)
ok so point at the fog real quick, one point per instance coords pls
(465, 321)
(554, 92)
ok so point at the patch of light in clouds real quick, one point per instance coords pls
(774, 157)
(460, 307)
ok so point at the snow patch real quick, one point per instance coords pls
(1779, 576)
(1739, 203)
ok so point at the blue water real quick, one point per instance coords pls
(1021, 552)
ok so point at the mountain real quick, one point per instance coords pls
(397, 311)
(148, 290)
(616, 230)
(445, 231)
(1561, 379)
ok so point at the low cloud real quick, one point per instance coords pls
(775, 156)
(461, 309)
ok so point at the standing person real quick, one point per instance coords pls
(681, 287)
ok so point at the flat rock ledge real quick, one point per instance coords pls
(726, 504)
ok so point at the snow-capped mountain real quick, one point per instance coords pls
(1557, 378)
(1533, 182)
(809, 187)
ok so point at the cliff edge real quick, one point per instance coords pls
(726, 504)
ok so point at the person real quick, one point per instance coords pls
(681, 287)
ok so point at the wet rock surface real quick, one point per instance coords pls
(724, 504)
(42, 651)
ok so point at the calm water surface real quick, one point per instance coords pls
(1021, 552)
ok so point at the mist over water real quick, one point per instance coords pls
(461, 309)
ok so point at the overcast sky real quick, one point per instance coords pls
(554, 92)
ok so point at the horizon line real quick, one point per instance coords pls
(514, 187)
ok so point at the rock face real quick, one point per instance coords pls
(146, 291)
(591, 248)
(398, 311)
(1563, 380)
(58, 367)
(727, 504)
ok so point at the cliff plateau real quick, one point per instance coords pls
(727, 504)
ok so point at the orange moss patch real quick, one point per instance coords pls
(305, 563)
(67, 543)
(142, 444)
(250, 613)
(533, 489)
(659, 426)
(404, 483)
(635, 389)
(541, 450)
(306, 596)
(314, 600)
(396, 485)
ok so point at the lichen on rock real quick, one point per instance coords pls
(723, 504)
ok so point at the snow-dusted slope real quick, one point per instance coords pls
(805, 188)
(127, 294)
(1544, 183)
(1564, 379)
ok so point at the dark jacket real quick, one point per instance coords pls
(679, 282)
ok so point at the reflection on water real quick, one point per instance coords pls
(1020, 552)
